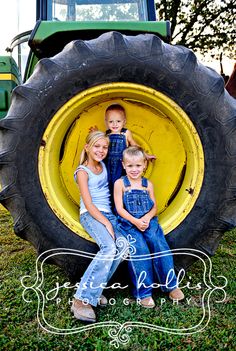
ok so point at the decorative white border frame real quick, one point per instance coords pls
(120, 332)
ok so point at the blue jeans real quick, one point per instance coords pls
(106, 260)
(145, 270)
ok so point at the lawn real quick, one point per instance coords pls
(39, 318)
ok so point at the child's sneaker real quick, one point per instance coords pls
(176, 294)
(82, 311)
(102, 301)
(147, 302)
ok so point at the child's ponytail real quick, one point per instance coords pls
(83, 157)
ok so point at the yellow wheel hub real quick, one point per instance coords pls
(158, 124)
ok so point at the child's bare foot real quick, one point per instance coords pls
(82, 311)
(176, 294)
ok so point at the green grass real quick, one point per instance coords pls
(20, 330)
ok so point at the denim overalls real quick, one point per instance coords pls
(114, 157)
(152, 241)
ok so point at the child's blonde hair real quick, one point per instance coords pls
(134, 151)
(91, 139)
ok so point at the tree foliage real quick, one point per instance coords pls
(202, 25)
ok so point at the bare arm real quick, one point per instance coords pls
(148, 216)
(129, 138)
(131, 142)
(82, 180)
(118, 198)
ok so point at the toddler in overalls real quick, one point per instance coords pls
(120, 138)
(136, 207)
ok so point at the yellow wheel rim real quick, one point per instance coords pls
(158, 124)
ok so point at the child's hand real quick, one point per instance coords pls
(141, 224)
(93, 129)
(110, 230)
(151, 157)
(146, 219)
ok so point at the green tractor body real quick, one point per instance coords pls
(10, 77)
(50, 36)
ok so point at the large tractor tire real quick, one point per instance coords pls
(176, 108)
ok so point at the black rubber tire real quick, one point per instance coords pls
(113, 57)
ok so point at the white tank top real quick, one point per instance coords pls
(98, 187)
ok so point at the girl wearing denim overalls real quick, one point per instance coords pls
(136, 206)
(98, 220)
(120, 138)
